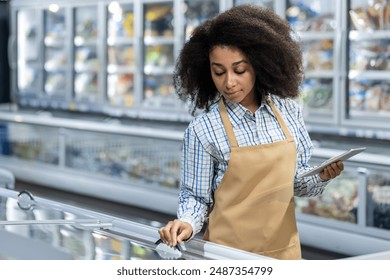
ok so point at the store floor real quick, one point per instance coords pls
(135, 214)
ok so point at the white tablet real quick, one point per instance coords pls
(344, 156)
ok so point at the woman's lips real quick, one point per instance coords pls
(231, 93)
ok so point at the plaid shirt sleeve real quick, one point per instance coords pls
(306, 186)
(197, 175)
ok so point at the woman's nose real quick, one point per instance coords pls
(230, 81)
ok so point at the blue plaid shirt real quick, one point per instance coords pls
(206, 152)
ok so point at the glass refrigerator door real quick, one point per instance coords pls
(31, 143)
(338, 202)
(55, 52)
(378, 202)
(28, 53)
(121, 61)
(315, 23)
(369, 67)
(86, 61)
(158, 55)
(135, 159)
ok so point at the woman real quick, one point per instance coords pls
(242, 157)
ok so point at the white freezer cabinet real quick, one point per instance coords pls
(352, 216)
(37, 228)
(128, 158)
(132, 164)
(139, 165)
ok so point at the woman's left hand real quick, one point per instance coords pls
(332, 170)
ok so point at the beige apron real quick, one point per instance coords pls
(254, 205)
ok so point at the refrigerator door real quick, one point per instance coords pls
(86, 59)
(55, 53)
(378, 199)
(121, 54)
(368, 100)
(28, 55)
(316, 29)
(158, 55)
(338, 202)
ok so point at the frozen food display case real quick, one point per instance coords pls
(116, 57)
(109, 57)
(368, 98)
(138, 164)
(130, 162)
(318, 29)
(354, 208)
(33, 228)
(94, 112)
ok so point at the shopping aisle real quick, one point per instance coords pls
(136, 214)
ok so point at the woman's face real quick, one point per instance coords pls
(233, 76)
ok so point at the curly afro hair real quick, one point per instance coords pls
(264, 37)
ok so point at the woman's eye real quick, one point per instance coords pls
(218, 73)
(240, 72)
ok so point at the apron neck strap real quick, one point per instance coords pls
(280, 119)
(227, 124)
(229, 128)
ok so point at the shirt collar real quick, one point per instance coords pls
(236, 111)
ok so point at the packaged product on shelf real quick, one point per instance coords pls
(375, 13)
(374, 16)
(339, 201)
(55, 25)
(386, 17)
(325, 22)
(128, 24)
(86, 59)
(369, 55)
(55, 82)
(318, 55)
(379, 199)
(298, 15)
(120, 89)
(357, 94)
(385, 100)
(373, 97)
(317, 93)
(55, 59)
(360, 19)
(160, 55)
(86, 86)
(158, 20)
(87, 29)
(121, 56)
(198, 11)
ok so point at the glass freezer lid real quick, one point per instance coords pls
(37, 228)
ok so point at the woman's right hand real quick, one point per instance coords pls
(175, 232)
